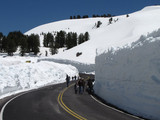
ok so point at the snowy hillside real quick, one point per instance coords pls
(123, 30)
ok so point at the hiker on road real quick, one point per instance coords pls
(80, 84)
(67, 80)
(76, 87)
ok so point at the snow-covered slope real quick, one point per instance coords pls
(123, 30)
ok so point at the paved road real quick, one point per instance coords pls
(43, 105)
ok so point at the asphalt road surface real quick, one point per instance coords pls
(58, 102)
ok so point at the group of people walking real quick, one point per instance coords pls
(81, 85)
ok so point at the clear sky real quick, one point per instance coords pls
(24, 15)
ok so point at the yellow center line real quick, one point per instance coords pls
(61, 103)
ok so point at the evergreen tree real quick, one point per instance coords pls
(4, 44)
(97, 15)
(36, 44)
(23, 46)
(60, 39)
(68, 40)
(45, 40)
(93, 15)
(11, 47)
(81, 38)
(78, 16)
(109, 15)
(74, 40)
(30, 44)
(99, 24)
(16, 36)
(74, 17)
(86, 36)
(110, 20)
(85, 16)
(104, 15)
(11, 43)
(1, 38)
(50, 39)
(33, 43)
(53, 48)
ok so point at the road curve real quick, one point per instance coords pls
(45, 104)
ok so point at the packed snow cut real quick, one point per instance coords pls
(131, 76)
(17, 75)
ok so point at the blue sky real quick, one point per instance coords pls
(24, 15)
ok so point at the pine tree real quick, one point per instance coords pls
(11, 47)
(74, 17)
(11, 43)
(53, 48)
(104, 15)
(1, 38)
(78, 16)
(110, 20)
(81, 38)
(23, 46)
(74, 40)
(99, 24)
(50, 38)
(109, 15)
(85, 16)
(16, 36)
(93, 15)
(86, 36)
(4, 44)
(60, 39)
(33, 43)
(36, 44)
(68, 40)
(45, 40)
(30, 44)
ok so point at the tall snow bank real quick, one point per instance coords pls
(25, 76)
(130, 77)
(82, 67)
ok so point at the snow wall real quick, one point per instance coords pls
(130, 77)
(82, 67)
(27, 76)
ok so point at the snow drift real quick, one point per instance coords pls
(82, 67)
(130, 77)
(16, 75)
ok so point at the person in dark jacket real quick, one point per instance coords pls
(80, 84)
(75, 78)
(76, 87)
(90, 86)
(83, 84)
(67, 80)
